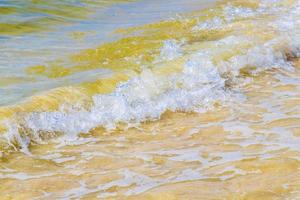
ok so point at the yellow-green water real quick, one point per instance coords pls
(203, 104)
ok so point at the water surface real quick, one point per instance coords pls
(150, 100)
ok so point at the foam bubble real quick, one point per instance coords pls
(171, 49)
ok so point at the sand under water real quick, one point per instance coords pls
(200, 103)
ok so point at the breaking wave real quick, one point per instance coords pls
(190, 74)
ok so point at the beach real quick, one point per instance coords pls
(175, 100)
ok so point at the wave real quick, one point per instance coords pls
(217, 49)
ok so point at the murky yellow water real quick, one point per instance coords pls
(245, 151)
(204, 106)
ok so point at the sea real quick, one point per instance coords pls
(150, 99)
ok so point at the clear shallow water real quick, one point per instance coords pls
(61, 28)
(204, 105)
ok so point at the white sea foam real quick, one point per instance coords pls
(170, 50)
(212, 24)
(200, 84)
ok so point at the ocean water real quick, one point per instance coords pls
(150, 99)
